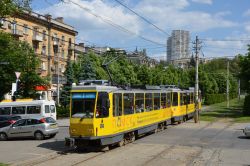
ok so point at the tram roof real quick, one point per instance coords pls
(120, 90)
(95, 88)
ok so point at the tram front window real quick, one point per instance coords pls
(83, 105)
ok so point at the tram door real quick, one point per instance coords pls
(102, 113)
(118, 118)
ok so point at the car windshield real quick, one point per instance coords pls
(83, 105)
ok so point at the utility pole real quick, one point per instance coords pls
(227, 83)
(239, 89)
(196, 49)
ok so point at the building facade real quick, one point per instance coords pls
(52, 40)
(141, 58)
(178, 52)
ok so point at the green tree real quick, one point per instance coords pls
(18, 56)
(10, 7)
(69, 74)
(245, 70)
(87, 70)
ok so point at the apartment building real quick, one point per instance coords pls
(178, 51)
(52, 40)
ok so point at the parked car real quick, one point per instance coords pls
(246, 131)
(38, 128)
(6, 120)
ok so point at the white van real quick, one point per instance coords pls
(29, 108)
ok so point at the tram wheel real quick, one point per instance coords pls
(120, 143)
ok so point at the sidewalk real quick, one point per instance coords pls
(63, 122)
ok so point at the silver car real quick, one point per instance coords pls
(246, 131)
(38, 128)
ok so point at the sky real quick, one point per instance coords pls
(223, 26)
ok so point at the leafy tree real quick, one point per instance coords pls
(69, 74)
(18, 56)
(87, 70)
(245, 70)
(10, 7)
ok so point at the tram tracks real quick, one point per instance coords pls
(90, 156)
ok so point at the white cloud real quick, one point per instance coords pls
(209, 2)
(247, 13)
(88, 25)
(173, 16)
(231, 46)
(167, 14)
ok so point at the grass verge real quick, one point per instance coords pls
(2, 164)
(220, 111)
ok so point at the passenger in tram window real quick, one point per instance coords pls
(137, 109)
(142, 107)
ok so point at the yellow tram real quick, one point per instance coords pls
(107, 115)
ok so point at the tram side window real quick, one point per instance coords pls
(191, 98)
(185, 99)
(128, 100)
(175, 99)
(168, 99)
(188, 98)
(139, 102)
(182, 98)
(33, 109)
(102, 107)
(181, 101)
(157, 101)
(117, 104)
(149, 101)
(5, 110)
(18, 110)
(163, 100)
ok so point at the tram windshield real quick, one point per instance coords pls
(83, 105)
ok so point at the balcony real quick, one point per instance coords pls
(37, 38)
(17, 32)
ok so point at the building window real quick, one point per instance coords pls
(63, 39)
(44, 50)
(43, 66)
(35, 31)
(44, 35)
(25, 29)
(62, 68)
(2, 23)
(14, 26)
(35, 47)
(62, 53)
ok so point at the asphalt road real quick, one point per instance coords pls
(219, 143)
(16, 150)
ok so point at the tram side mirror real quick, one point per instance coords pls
(108, 103)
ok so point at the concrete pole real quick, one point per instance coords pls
(228, 84)
(58, 90)
(196, 80)
(239, 89)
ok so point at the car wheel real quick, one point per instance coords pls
(3, 137)
(39, 135)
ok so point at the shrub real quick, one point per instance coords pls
(214, 98)
(246, 110)
(62, 111)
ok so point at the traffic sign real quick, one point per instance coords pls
(17, 74)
